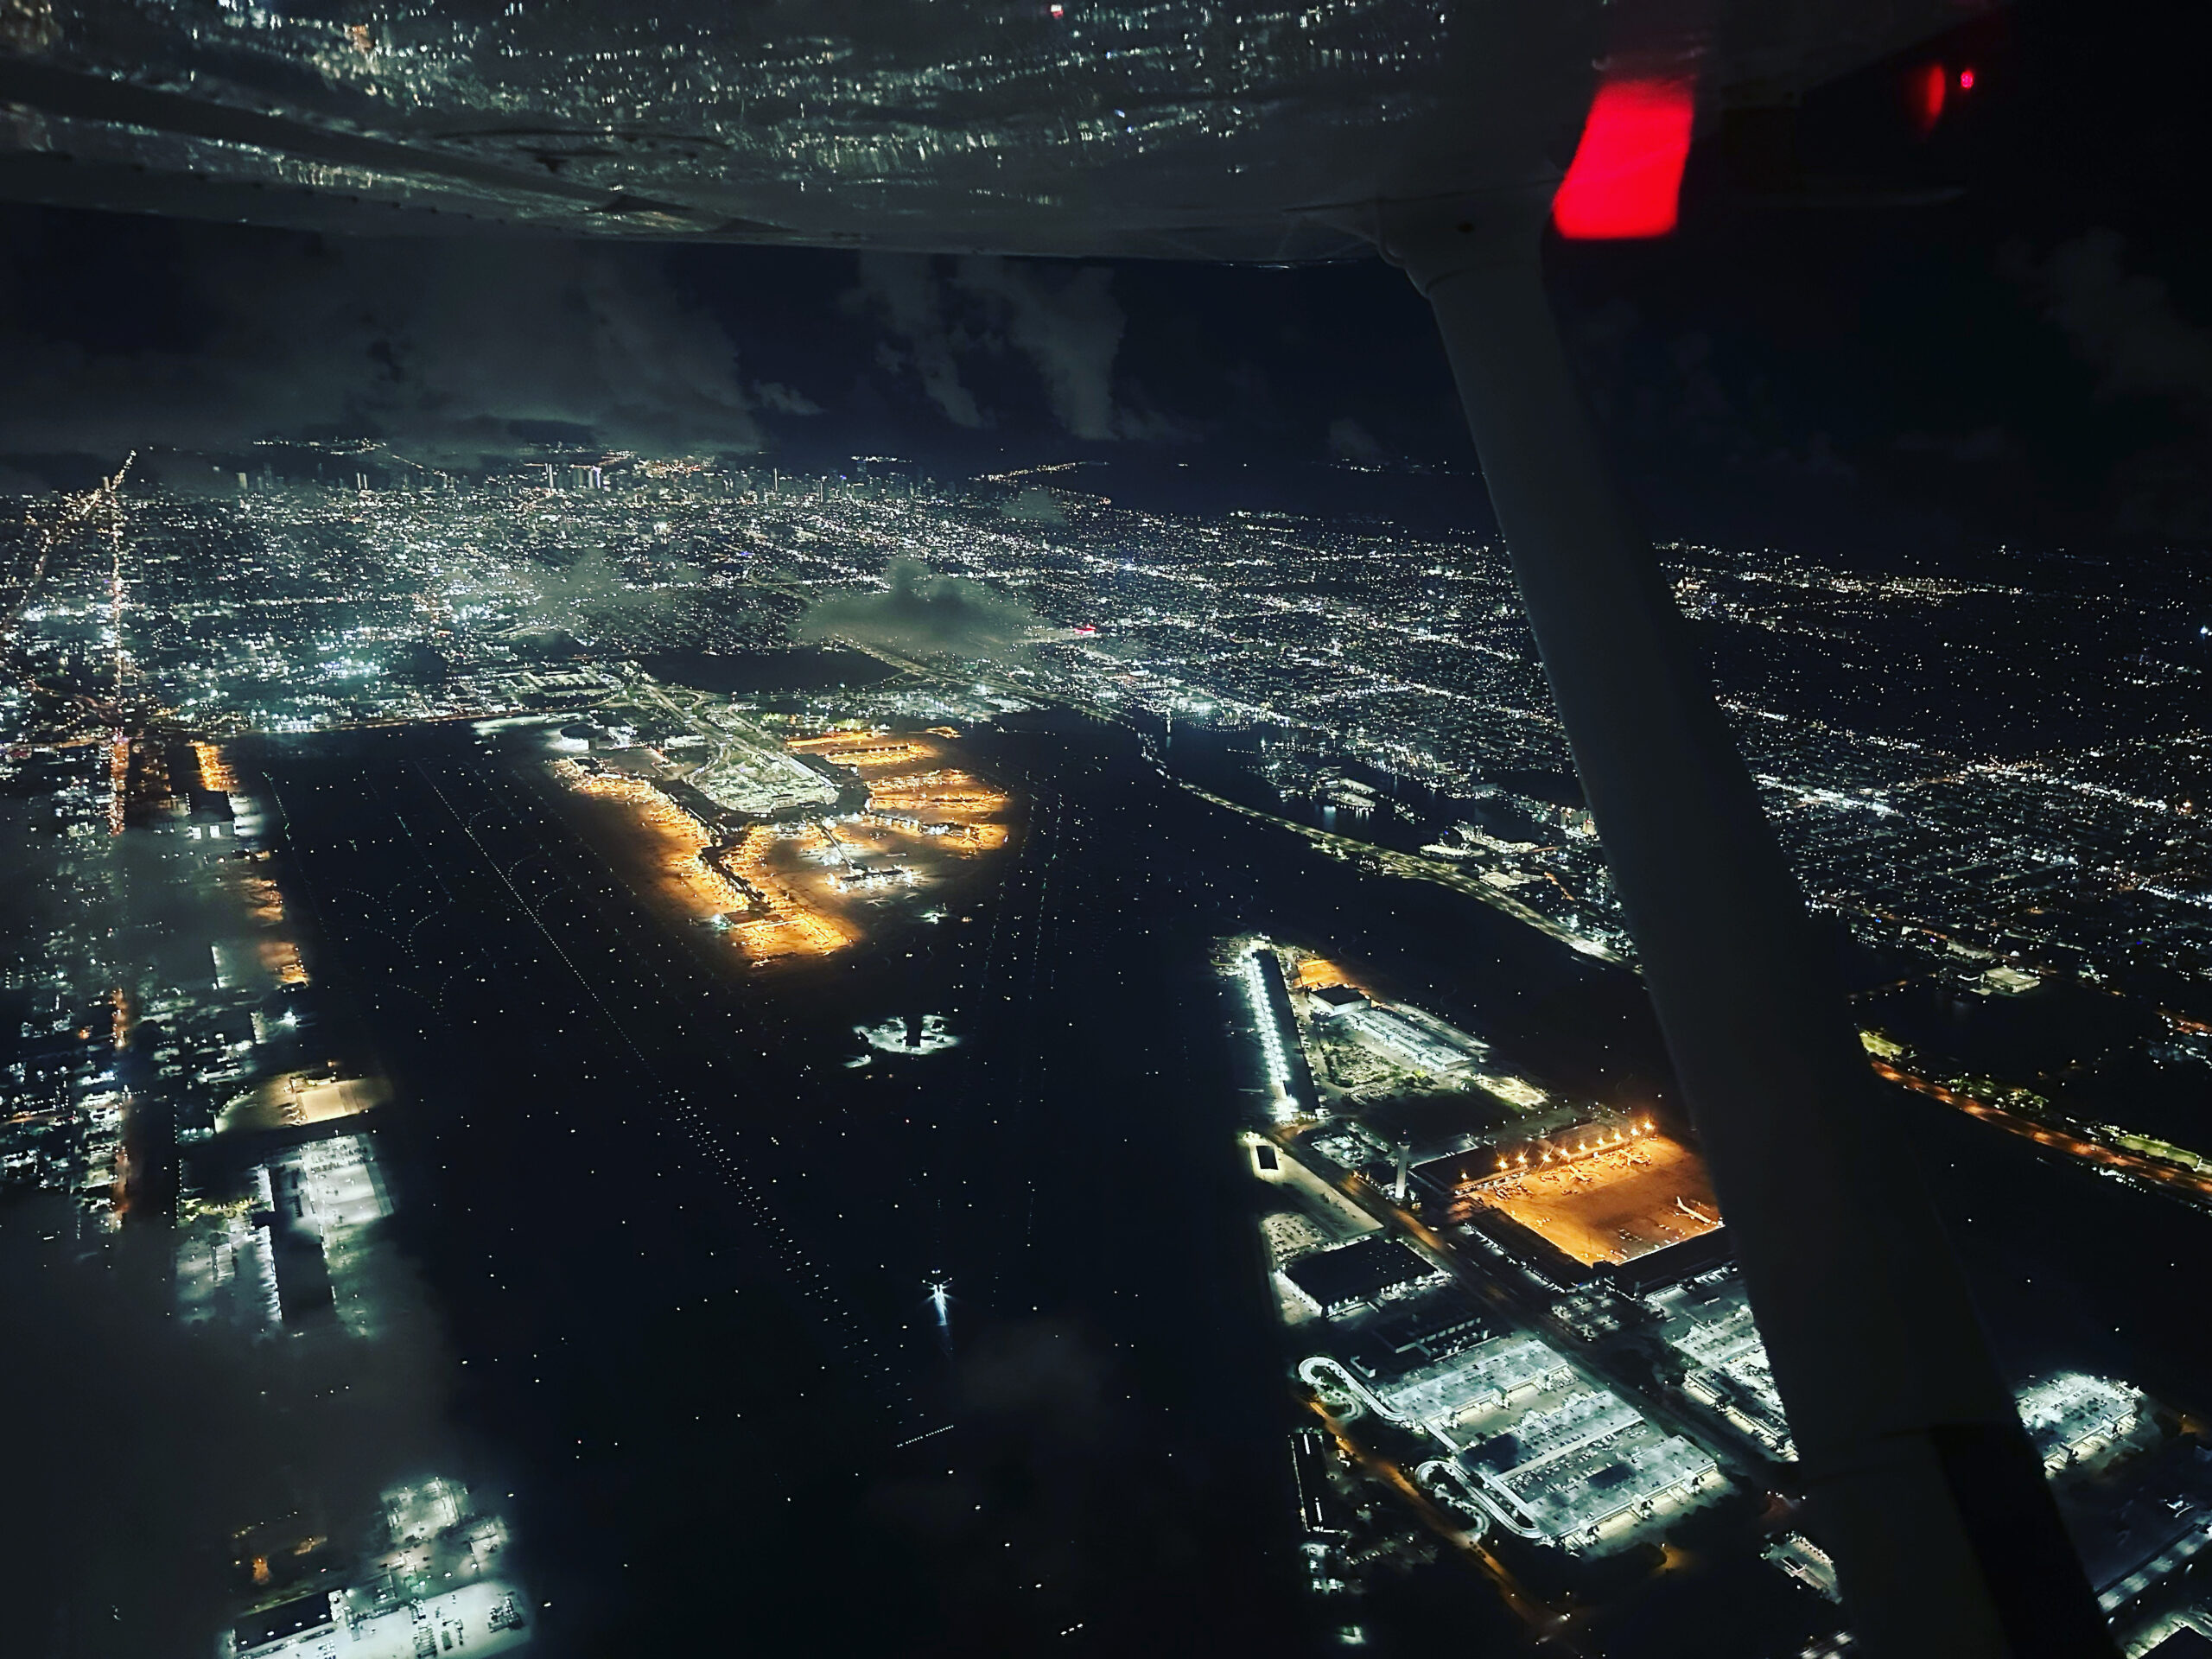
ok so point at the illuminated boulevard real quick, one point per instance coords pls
(2186, 1184)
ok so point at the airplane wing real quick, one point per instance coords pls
(1174, 130)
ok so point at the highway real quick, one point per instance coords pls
(1549, 1624)
(1383, 860)
(2189, 1184)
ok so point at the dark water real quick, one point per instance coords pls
(683, 1247)
(2085, 1050)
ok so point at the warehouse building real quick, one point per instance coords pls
(1365, 1272)
(2073, 1414)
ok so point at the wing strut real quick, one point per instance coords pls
(1923, 1484)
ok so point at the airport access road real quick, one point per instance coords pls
(2191, 1186)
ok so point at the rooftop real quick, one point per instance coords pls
(1358, 1271)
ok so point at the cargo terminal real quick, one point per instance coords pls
(436, 1585)
(1407, 1038)
(1571, 1192)
(2072, 1416)
(1618, 1197)
(1418, 1043)
(1513, 1435)
(284, 1242)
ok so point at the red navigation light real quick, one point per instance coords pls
(1965, 81)
(1924, 89)
(1626, 178)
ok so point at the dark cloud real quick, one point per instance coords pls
(1036, 504)
(903, 297)
(143, 1450)
(921, 611)
(1066, 326)
(2123, 324)
(2125, 327)
(773, 394)
(1349, 441)
(1070, 329)
(592, 593)
(1825, 381)
(1042, 1503)
(1983, 444)
(443, 349)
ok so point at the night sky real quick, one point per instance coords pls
(1860, 341)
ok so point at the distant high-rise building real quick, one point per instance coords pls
(548, 475)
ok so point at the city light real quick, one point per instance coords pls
(1375, 689)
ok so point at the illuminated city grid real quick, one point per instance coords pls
(1353, 656)
(298, 608)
